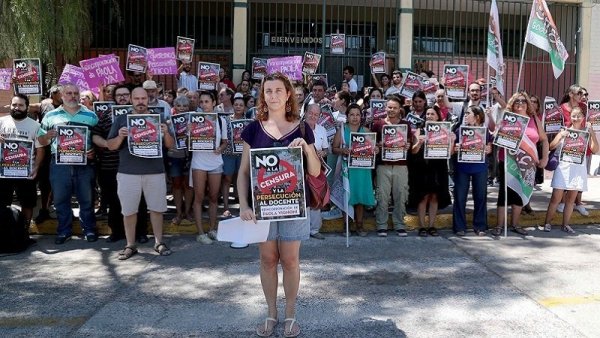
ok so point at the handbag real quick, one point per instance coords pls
(552, 160)
(318, 188)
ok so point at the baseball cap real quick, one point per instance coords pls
(149, 84)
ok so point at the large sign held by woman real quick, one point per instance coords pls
(362, 150)
(510, 130)
(277, 180)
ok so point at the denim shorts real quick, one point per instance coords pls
(176, 167)
(231, 164)
(294, 230)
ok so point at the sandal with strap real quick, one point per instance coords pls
(162, 249)
(422, 232)
(519, 231)
(176, 220)
(432, 231)
(568, 229)
(266, 331)
(291, 332)
(127, 253)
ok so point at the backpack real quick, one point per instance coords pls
(14, 236)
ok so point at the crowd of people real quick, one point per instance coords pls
(129, 188)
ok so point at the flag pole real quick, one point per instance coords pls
(488, 85)
(505, 193)
(347, 219)
(521, 64)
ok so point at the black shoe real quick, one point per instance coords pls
(91, 237)
(490, 182)
(114, 238)
(101, 212)
(61, 239)
(142, 239)
(42, 216)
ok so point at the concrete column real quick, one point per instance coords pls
(405, 33)
(240, 38)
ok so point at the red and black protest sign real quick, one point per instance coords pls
(144, 139)
(180, 126)
(574, 147)
(16, 158)
(472, 142)
(394, 138)
(510, 131)
(362, 150)
(202, 132)
(71, 145)
(456, 81)
(277, 179)
(137, 59)
(27, 76)
(437, 140)
(237, 127)
(185, 49)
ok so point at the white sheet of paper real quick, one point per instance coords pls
(239, 231)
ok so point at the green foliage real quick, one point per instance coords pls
(44, 28)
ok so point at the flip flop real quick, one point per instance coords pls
(266, 331)
(291, 332)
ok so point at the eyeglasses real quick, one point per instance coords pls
(122, 95)
(520, 101)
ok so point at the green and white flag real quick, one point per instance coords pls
(542, 32)
(494, 49)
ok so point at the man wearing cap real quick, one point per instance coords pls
(185, 78)
(69, 179)
(153, 100)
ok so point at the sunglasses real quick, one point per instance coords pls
(520, 101)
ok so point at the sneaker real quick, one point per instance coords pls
(382, 233)
(61, 239)
(317, 235)
(212, 235)
(547, 227)
(402, 233)
(331, 214)
(203, 239)
(560, 207)
(582, 210)
(91, 237)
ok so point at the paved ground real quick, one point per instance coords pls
(541, 285)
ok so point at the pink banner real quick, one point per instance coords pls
(73, 74)
(289, 65)
(104, 69)
(162, 61)
(5, 76)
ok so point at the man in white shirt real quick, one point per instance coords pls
(396, 83)
(313, 112)
(349, 77)
(185, 78)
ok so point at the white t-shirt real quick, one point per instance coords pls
(26, 129)
(208, 160)
(392, 90)
(353, 85)
(320, 138)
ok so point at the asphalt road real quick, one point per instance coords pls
(545, 285)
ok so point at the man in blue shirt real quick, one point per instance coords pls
(67, 179)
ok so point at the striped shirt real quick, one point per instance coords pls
(58, 116)
(109, 159)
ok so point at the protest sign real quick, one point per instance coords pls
(237, 126)
(277, 180)
(429, 87)
(259, 68)
(310, 63)
(362, 150)
(137, 59)
(208, 75)
(378, 110)
(102, 70)
(202, 132)
(593, 114)
(510, 130)
(180, 125)
(185, 49)
(102, 107)
(71, 145)
(411, 84)
(327, 121)
(415, 121)
(16, 158)
(437, 140)
(456, 81)
(338, 44)
(553, 117)
(27, 76)
(118, 110)
(472, 142)
(574, 147)
(74, 74)
(144, 138)
(5, 78)
(291, 66)
(162, 61)
(317, 77)
(394, 138)
(378, 63)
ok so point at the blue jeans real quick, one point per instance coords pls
(66, 180)
(461, 190)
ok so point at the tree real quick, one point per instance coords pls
(52, 30)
